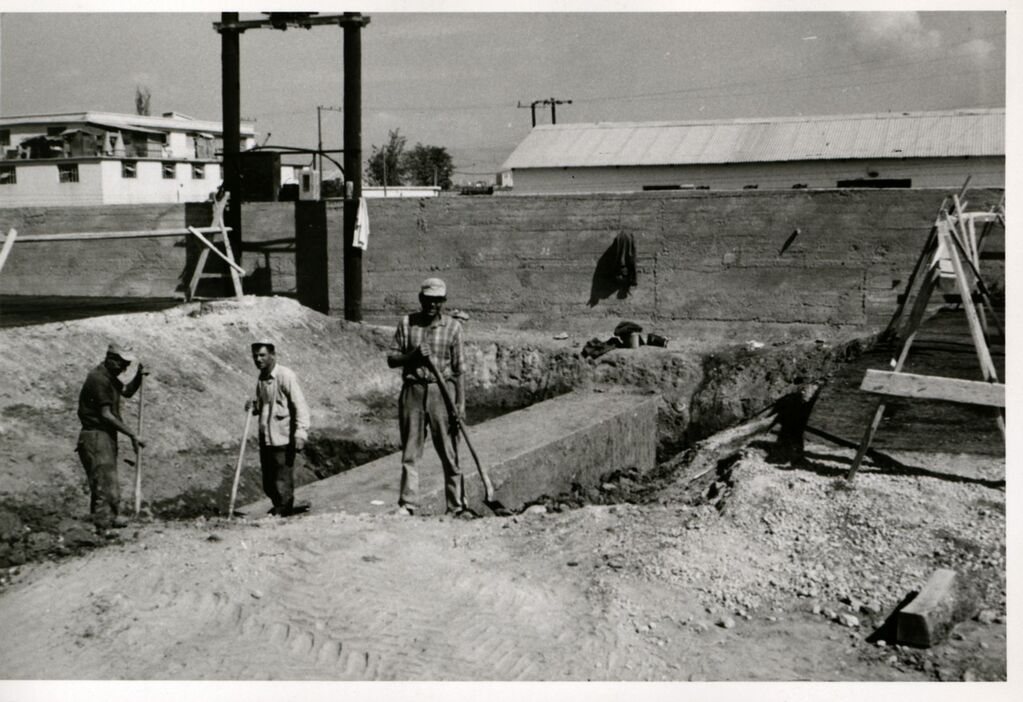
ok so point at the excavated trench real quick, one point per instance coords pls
(700, 395)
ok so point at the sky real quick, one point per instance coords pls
(457, 79)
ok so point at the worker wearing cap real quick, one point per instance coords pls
(283, 427)
(99, 409)
(432, 333)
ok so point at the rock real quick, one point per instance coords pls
(871, 607)
(258, 594)
(848, 620)
(11, 526)
(726, 623)
(701, 627)
(986, 616)
(880, 643)
(536, 509)
(816, 609)
(969, 676)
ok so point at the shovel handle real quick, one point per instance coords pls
(138, 455)
(488, 487)
(238, 466)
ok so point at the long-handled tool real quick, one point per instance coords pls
(488, 488)
(138, 452)
(238, 467)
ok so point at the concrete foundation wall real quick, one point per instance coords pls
(532, 261)
(701, 257)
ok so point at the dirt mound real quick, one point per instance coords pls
(201, 374)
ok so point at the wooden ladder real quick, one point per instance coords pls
(954, 249)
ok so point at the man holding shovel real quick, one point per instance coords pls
(283, 427)
(422, 337)
(99, 410)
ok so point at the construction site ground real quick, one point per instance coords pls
(764, 571)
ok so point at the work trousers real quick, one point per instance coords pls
(419, 404)
(97, 450)
(278, 466)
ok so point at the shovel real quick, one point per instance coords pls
(138, 454)
(488, 488)
(238, 467)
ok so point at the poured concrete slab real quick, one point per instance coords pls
(539, 450)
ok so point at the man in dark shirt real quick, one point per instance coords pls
(99, 409)
(432, 333)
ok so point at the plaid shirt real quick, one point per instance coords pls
(444, 338)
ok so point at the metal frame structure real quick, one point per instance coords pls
(230, 29)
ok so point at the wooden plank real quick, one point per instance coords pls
(928, 618)
(986, 365)
(132, 234)
(932, 387)
(12, 234)
(215, 250)
(915, 317)
(197, 273)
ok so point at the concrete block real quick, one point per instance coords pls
(928, 618)
(539, 450)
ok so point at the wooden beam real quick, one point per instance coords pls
(930, 387)
(12, 234)
(133, 234)
(930, 616)
(215, 250)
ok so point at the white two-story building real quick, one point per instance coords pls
(100, 158)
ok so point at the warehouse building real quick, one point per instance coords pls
(891, 150)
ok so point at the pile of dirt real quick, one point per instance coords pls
(201, 374)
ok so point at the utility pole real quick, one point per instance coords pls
(231, 92)
(553, 102)
(352, 104)
(532, 109)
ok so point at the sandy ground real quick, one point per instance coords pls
(757, 584)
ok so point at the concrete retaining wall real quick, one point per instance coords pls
(701, 257)
(534, 261)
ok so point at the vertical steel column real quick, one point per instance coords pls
(352, 57)
(231, 97)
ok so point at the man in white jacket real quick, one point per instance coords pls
(283, 427)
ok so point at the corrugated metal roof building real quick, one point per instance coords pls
(920, 149)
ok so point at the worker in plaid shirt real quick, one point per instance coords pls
(431, 333)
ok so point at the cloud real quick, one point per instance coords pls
(890, 34)
(980, 53)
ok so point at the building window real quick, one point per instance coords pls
(67, 172)
(8, 175)
(129, 169)
(170, 171)
(55, 131)
(198, 171)
(876, 183)
(5, 137)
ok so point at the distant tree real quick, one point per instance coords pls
(429, 165)
(385, 165)
(142, 100)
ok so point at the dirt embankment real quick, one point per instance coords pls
(201, 374)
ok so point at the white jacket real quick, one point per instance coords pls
(287, 414)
